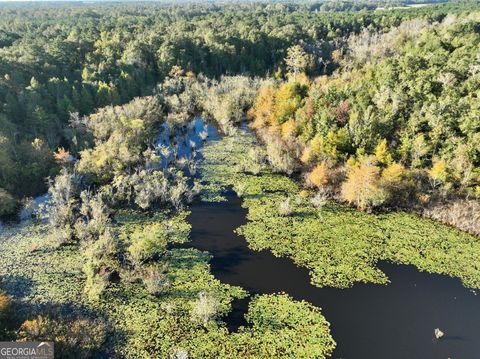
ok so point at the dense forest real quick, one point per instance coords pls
(339, 124)
(59, 63)
(396, 125)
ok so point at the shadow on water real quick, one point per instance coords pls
(367, 321)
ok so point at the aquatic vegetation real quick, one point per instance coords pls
(33, 272)
(276, 320)
(170, 306)
(338, 244)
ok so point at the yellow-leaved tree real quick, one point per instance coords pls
(399, 190)
(382, 155)
(320, 176)
(438, 173)
(262, 111)
(362, 187)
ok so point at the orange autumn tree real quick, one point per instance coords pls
(62, 156)
(262, 111)
(362, 187)
(319, 177)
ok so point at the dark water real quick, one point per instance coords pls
(185, 141)
(367, 321)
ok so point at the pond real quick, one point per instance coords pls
(367, 321)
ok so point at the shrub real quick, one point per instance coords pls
(461, 213)
(61, 210)
(438, 173)
(319, 177)
(395, 172)
(147, 188)
(227, 99)
(178, 193)
(254, 162)
(73, 337)
(262, 111)
(122, 133)
(8, 204)
(382, 155)
(155, 281)
(288, 99)
(5, 304)
(5, 312)
(319, 200)
(289, 128)
(100, 264)
(147, 243)
(240, 188)
(307, 156)
(280, 155)
(179, 354)
(94, 217)
(285, 208)
(62, 157)
(205, 308)
(95, 283)
(142, 187)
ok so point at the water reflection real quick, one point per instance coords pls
(182, 145)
